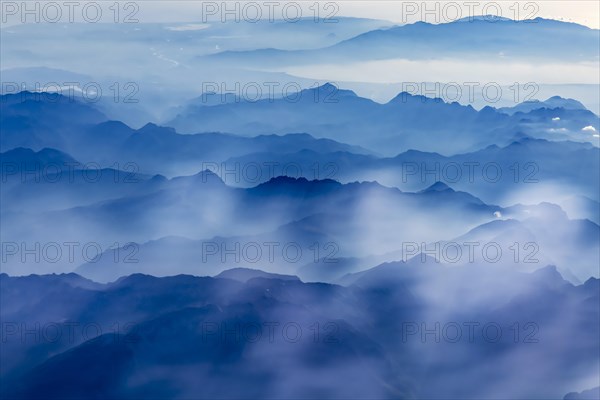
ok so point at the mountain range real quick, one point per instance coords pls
(202, 332)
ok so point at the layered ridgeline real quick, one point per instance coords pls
(179, 59)
(405, 122)
(91, 180)
(521, 161)
(317, 244)
(460, 133)
(319, 229)
(487, 37)
(397, 330)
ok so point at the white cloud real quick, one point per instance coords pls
(556, 119)
(445, 70)
(589, 128)
(188, 27)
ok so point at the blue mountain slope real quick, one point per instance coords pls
(584, 395)
(136, 351)
(39, 120)
(186, 327)
(527, 39)
(496, 174)
(320, 218)
(536, 39)
(245, 274)
(551, 103)
(334, 114)
(405, 122)
(315, 244)
(341, 116)
(151, 149)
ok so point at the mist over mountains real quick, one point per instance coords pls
(118, 176)
(400, 124)
(219, 218)
(497, 38)
(155, 66)
(217, 330)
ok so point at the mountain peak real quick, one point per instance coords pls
(550, 276)
(291, 186)
(485, 18)
(437, 187)
(205, 177)
(332, 90)
(208, 176)
(562, 102)
(207, 172)
(415, 98)
(326, 86)
(149, 126)
(152, 128)
(487, 110)
(406, 97)
(47, 155)
(550, 104)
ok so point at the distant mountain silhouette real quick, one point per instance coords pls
(551, 103)
(389, 128)
(485, 36)
(245, 274)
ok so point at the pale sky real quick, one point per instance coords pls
(584, 12)
(581, 12)
(399, 12)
